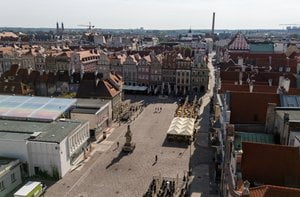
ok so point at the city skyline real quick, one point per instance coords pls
(152, 14)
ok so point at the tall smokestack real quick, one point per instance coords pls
(62, 27)
(213, 25)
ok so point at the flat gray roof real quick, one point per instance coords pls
(293, 114)
(6, 164)
(85, 110)
(54, 131)
(5, 161)
(91, 103)
(33, 108)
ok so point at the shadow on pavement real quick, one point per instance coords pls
(201, 161)
(174, 144)
(117, 159)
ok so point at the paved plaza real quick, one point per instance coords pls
(110, 172)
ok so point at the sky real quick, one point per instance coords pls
(151, 14)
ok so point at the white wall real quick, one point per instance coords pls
(92, 118)
(95, 119)
(64, 157)
(8, 184)
(44, 155)
(14, 149)
(279, 48)
(292, 138)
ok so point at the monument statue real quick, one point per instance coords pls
(128, 136)
(128, 146)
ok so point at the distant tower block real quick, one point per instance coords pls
(62, 27)
(213, 24)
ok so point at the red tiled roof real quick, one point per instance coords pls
(17, 88)
(274, 191)
(250, 108)
(271, 164)
(258, 77)
(239, 42)
(116, 78)
(89, 89)
(230, 86)
(106, 89)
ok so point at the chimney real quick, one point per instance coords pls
(241, 78)
(298, 69)
(213, 25)
(270, 119)
(286, 117)
(270, 82)
(281, 81)
(286, 84)
(240, 61)
(251, 87)
(246, 192)
(230, 130)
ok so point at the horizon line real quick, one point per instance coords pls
(144, 29)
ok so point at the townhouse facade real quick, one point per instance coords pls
(164, 72)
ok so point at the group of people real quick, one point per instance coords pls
(165, 189)
(158, 109)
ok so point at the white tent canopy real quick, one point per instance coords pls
(182, 126)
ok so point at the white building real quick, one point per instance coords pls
(97, 111)
(32, 131)
(43, 146)
(10, 175)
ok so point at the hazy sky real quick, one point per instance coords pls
(150, 14)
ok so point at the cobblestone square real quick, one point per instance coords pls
(110, 172)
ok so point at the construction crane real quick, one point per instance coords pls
(288, 24)
(89, 26)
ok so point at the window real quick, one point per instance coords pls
(2, 186)
(36, 170)
(13, 177)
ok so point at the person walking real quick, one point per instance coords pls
(118, 144)
(156, 158)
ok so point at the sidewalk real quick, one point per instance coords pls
(201, 180)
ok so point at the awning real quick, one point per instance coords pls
(182, 126)
(135, 88)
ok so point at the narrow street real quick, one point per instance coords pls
(202, 179)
